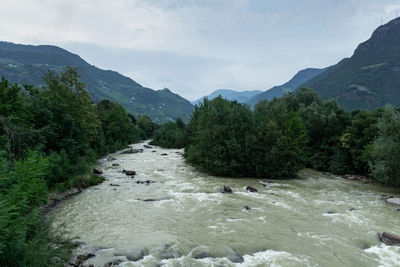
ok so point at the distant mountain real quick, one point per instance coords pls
(370, 78)
(277, 91)
(241, 97)
(28, 64)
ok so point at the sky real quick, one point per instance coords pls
(194, 47)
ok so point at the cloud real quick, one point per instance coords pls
(195, 47)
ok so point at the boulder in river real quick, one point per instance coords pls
(251, 189)
(389, 239)
(130, 151)
(226, 190)
(164, 154)
(97, 171)
(394, 201)
(134, 254)
(246, 208)
(127, 172)
(147, 146)
(83, 257)
(221, 251)
(166, 251)
(114, 184)
(115, 164)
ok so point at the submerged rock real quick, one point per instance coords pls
(217, 252)
(389, 239)
(147, 182)
(114, 184)
(130, 151)
(251, 189)
(153, 199)
(83, 257)
(246, 208)
(165, 252)
(164, 154)
(226, 190)
(113, 263)
(147, 146)
(134, 254)
(202, 255)
(393, 201)
(356, 177)
(115, 164)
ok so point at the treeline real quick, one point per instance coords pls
(170, 135)
(49, 139)
(284, 135)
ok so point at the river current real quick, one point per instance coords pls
(315, 220)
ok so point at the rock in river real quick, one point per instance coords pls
(115, 164)
(389, 238)
(221, 251)
(226, 190)
(134, 254)
(251, 189)
(97, 171)
(394, 201)
(130, 151)
(129, 172)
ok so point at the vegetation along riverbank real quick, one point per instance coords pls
(50, 137)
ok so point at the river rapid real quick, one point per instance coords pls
(316, 220)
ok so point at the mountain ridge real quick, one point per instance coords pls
(277, 91)
(28, 64)
(229, 94)
(370, 78)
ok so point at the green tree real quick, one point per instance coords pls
(386, 148)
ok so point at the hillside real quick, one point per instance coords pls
(28, 64)
(370, 78)
(241, 97)
(277, 91)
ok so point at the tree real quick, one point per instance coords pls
(220, 136)
(386, 148)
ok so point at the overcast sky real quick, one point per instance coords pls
(194, 47)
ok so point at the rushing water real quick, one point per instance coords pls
(317, 220)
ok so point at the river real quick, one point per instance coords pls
(316, 220)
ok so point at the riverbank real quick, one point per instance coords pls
(181, 217)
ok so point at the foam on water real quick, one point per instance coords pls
(388, 256)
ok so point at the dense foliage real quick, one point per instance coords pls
(385, 150)
(49, 138)
(170, 135)
(297, 130)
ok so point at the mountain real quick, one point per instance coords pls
(370, 78)
(241, 97)
(277, 91)
(28, 64)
